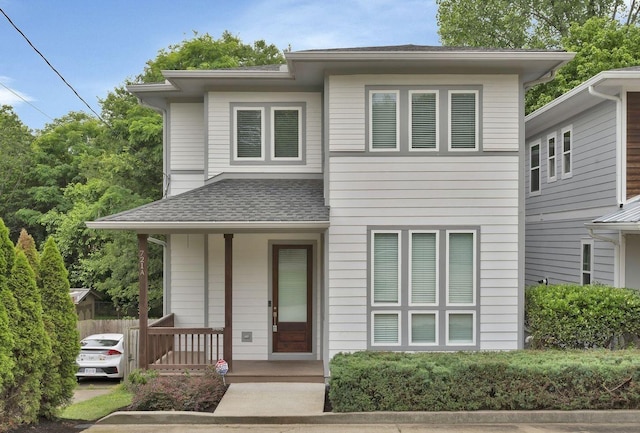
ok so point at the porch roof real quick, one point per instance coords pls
(230, 204)
(625, 218)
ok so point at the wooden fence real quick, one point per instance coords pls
(118, 326)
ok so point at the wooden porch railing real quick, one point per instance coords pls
(171, 348)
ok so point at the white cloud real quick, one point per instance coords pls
(10, 96)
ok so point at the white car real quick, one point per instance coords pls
(101, 355)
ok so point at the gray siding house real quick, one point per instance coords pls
(351, 199)
(583, 184)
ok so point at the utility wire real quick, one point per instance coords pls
(51, 66)
(25, 100)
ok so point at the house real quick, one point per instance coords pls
(351, 199)
(583, 184)
(85, 302)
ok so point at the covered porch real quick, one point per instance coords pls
(231, 301)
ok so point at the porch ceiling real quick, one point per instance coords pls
(230, 204)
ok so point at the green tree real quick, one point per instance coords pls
(27, 245)
(8, 309)
(15, 142)
(32, 347)
(522, 23)
(60, 321)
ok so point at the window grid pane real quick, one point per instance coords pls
(461, 263)
(552, 157)
(249, 133)
(383, 120)
(463, 120)
(292, 285)
(286, 133)
(566, 152)
(385, 268)
(535, 168)
(423, 268)
(460, 328)
(385, 329)
(423, 328)
(423, 120)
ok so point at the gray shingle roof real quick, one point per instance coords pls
(241, 200)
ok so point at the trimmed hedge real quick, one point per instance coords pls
(519, 380)
(579, 317)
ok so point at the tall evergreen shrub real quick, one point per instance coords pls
(60, 320)
(7, 307)
(27, 245)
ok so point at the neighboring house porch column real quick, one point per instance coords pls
(228, 299)
(143, 303)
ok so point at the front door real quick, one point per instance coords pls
(291, 309)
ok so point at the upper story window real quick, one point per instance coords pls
(463, 120)
(384, 120)
(413, 119)
(567, 148)
(534, 168)
(551, 158)
(268, 133)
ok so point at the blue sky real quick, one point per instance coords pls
(97, 44)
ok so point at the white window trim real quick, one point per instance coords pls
(411, 303)
(475, 259)
(396, 312)
(473, 333)
(553, 163)
(584, 242)
(411, 93)
(410, 327)
(372, 261)
(477, 132)
(273, 133)
(397, 93)
(235, 133)
(568, 174)
(533, 193)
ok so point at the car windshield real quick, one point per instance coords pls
(98, 343)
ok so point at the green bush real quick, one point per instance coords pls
(579, 317)
(520, 380)
(186, 392)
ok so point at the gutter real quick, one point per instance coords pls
(619, 153)
(544, 79)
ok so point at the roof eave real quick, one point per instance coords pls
(621, 226)
(158, 226)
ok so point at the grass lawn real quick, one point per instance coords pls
(98, 407)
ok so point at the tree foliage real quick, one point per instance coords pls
(27, 245)
(7, 310)
(60, 321)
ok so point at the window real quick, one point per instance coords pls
(384, 131)
(286, 132)
(586, 260)
(551, 158)
(534, 168)
(423, 120)
(410, 305)
(249, 133)
(463, 120)
(567, 161)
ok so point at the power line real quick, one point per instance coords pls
(25, 100)
(51, 66)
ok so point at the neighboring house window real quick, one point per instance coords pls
(567, 148)
(285, 133)
(411, 304)
(586, 260)
(423, 120)
(534, 168)
(249, 133)
(463, 120)
(384, 131)
(551, 158)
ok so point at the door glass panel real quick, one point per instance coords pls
(292, 285)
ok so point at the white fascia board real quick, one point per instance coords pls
(431, 55)
(225, 73)
(205, 225)
(614, 226)
(153, 87)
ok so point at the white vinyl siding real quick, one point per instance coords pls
(186, 123)
(551, 158)
(386, 268)
(423, 120)
(534, 168)
(286, 133)
(567, 152)
(248, 138)
(384, 117)
(463, 120)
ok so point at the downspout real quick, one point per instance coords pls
(619, 153)
(603, 238)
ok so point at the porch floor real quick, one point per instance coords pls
(276, 371)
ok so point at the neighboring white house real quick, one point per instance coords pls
(583, 184)
(366, 198)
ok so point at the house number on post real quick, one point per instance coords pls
(141, 261)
